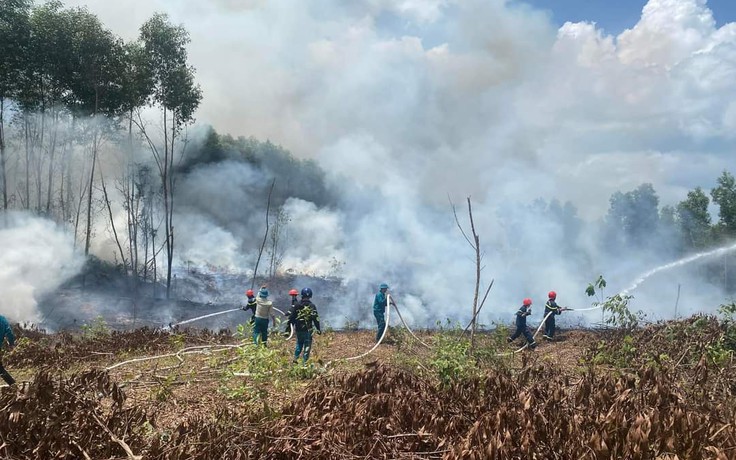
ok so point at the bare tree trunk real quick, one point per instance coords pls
(2, 153)
(27, 131)
(265, 235)
(82, 191)
(52, 154)
(476, 242)
(89, 194)
(39, 161)
(167, 192)
(112, 221)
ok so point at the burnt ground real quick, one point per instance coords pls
(663, 391)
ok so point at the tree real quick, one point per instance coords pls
(724, 195)
(14, 36)
(475, 245)
(633, 217)
(177, 96)
(694, 220)
(96, 85)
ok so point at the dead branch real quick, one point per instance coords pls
(122, 443)
(265, 235)
(479, 307)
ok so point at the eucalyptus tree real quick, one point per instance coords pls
(14, 36)
(177, 96)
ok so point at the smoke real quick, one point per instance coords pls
(36, 257)
(403, 104)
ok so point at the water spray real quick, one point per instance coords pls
(678, 263)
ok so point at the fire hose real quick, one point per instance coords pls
(383, 334)
(544, 320)
(171, 326)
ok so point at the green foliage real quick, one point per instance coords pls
(620, 316)
(487, 354)
(177, 340)
(350, 325)
(617, 306)
(728, 321)
(633, 217)
(694, 220)
(258, 370)
(718, 352)
(14, 36)
(451, 360)
(724, 195)
(173, 79)
(598, 284)
(620, 356)
(165, 388)
(96, 329)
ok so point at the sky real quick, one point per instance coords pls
(616, 16)
(405, 103)
(508, 89)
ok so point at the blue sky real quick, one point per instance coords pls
(616, 15)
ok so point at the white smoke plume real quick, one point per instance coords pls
(36, 257)
(405, 103)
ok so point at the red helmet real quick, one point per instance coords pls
(250, 293)
(527, 301)
(293, 292)
(552, 295)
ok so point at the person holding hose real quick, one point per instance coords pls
(552, 309)
(521, 328)
(305, 319)
(294, 301)
(379, 309)
(251, 305)
(264, 311)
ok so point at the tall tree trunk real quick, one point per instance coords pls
(167, 228)
(2, 153)
(39, 162)
(476, 241)
(89, 194)
(52, 154)
(27, 132)
(112, 221)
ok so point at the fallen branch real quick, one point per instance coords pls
(120, 442)
(76, 444)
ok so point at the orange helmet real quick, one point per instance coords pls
(527, 301)
(552, 295)
(293, 292)
(249, 293)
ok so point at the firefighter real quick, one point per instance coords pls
(293, 293)
(379, 309)
(264, 311)
(6, 332)
(521, 328)
(553, 310)
(305, 319)
(251, 305)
